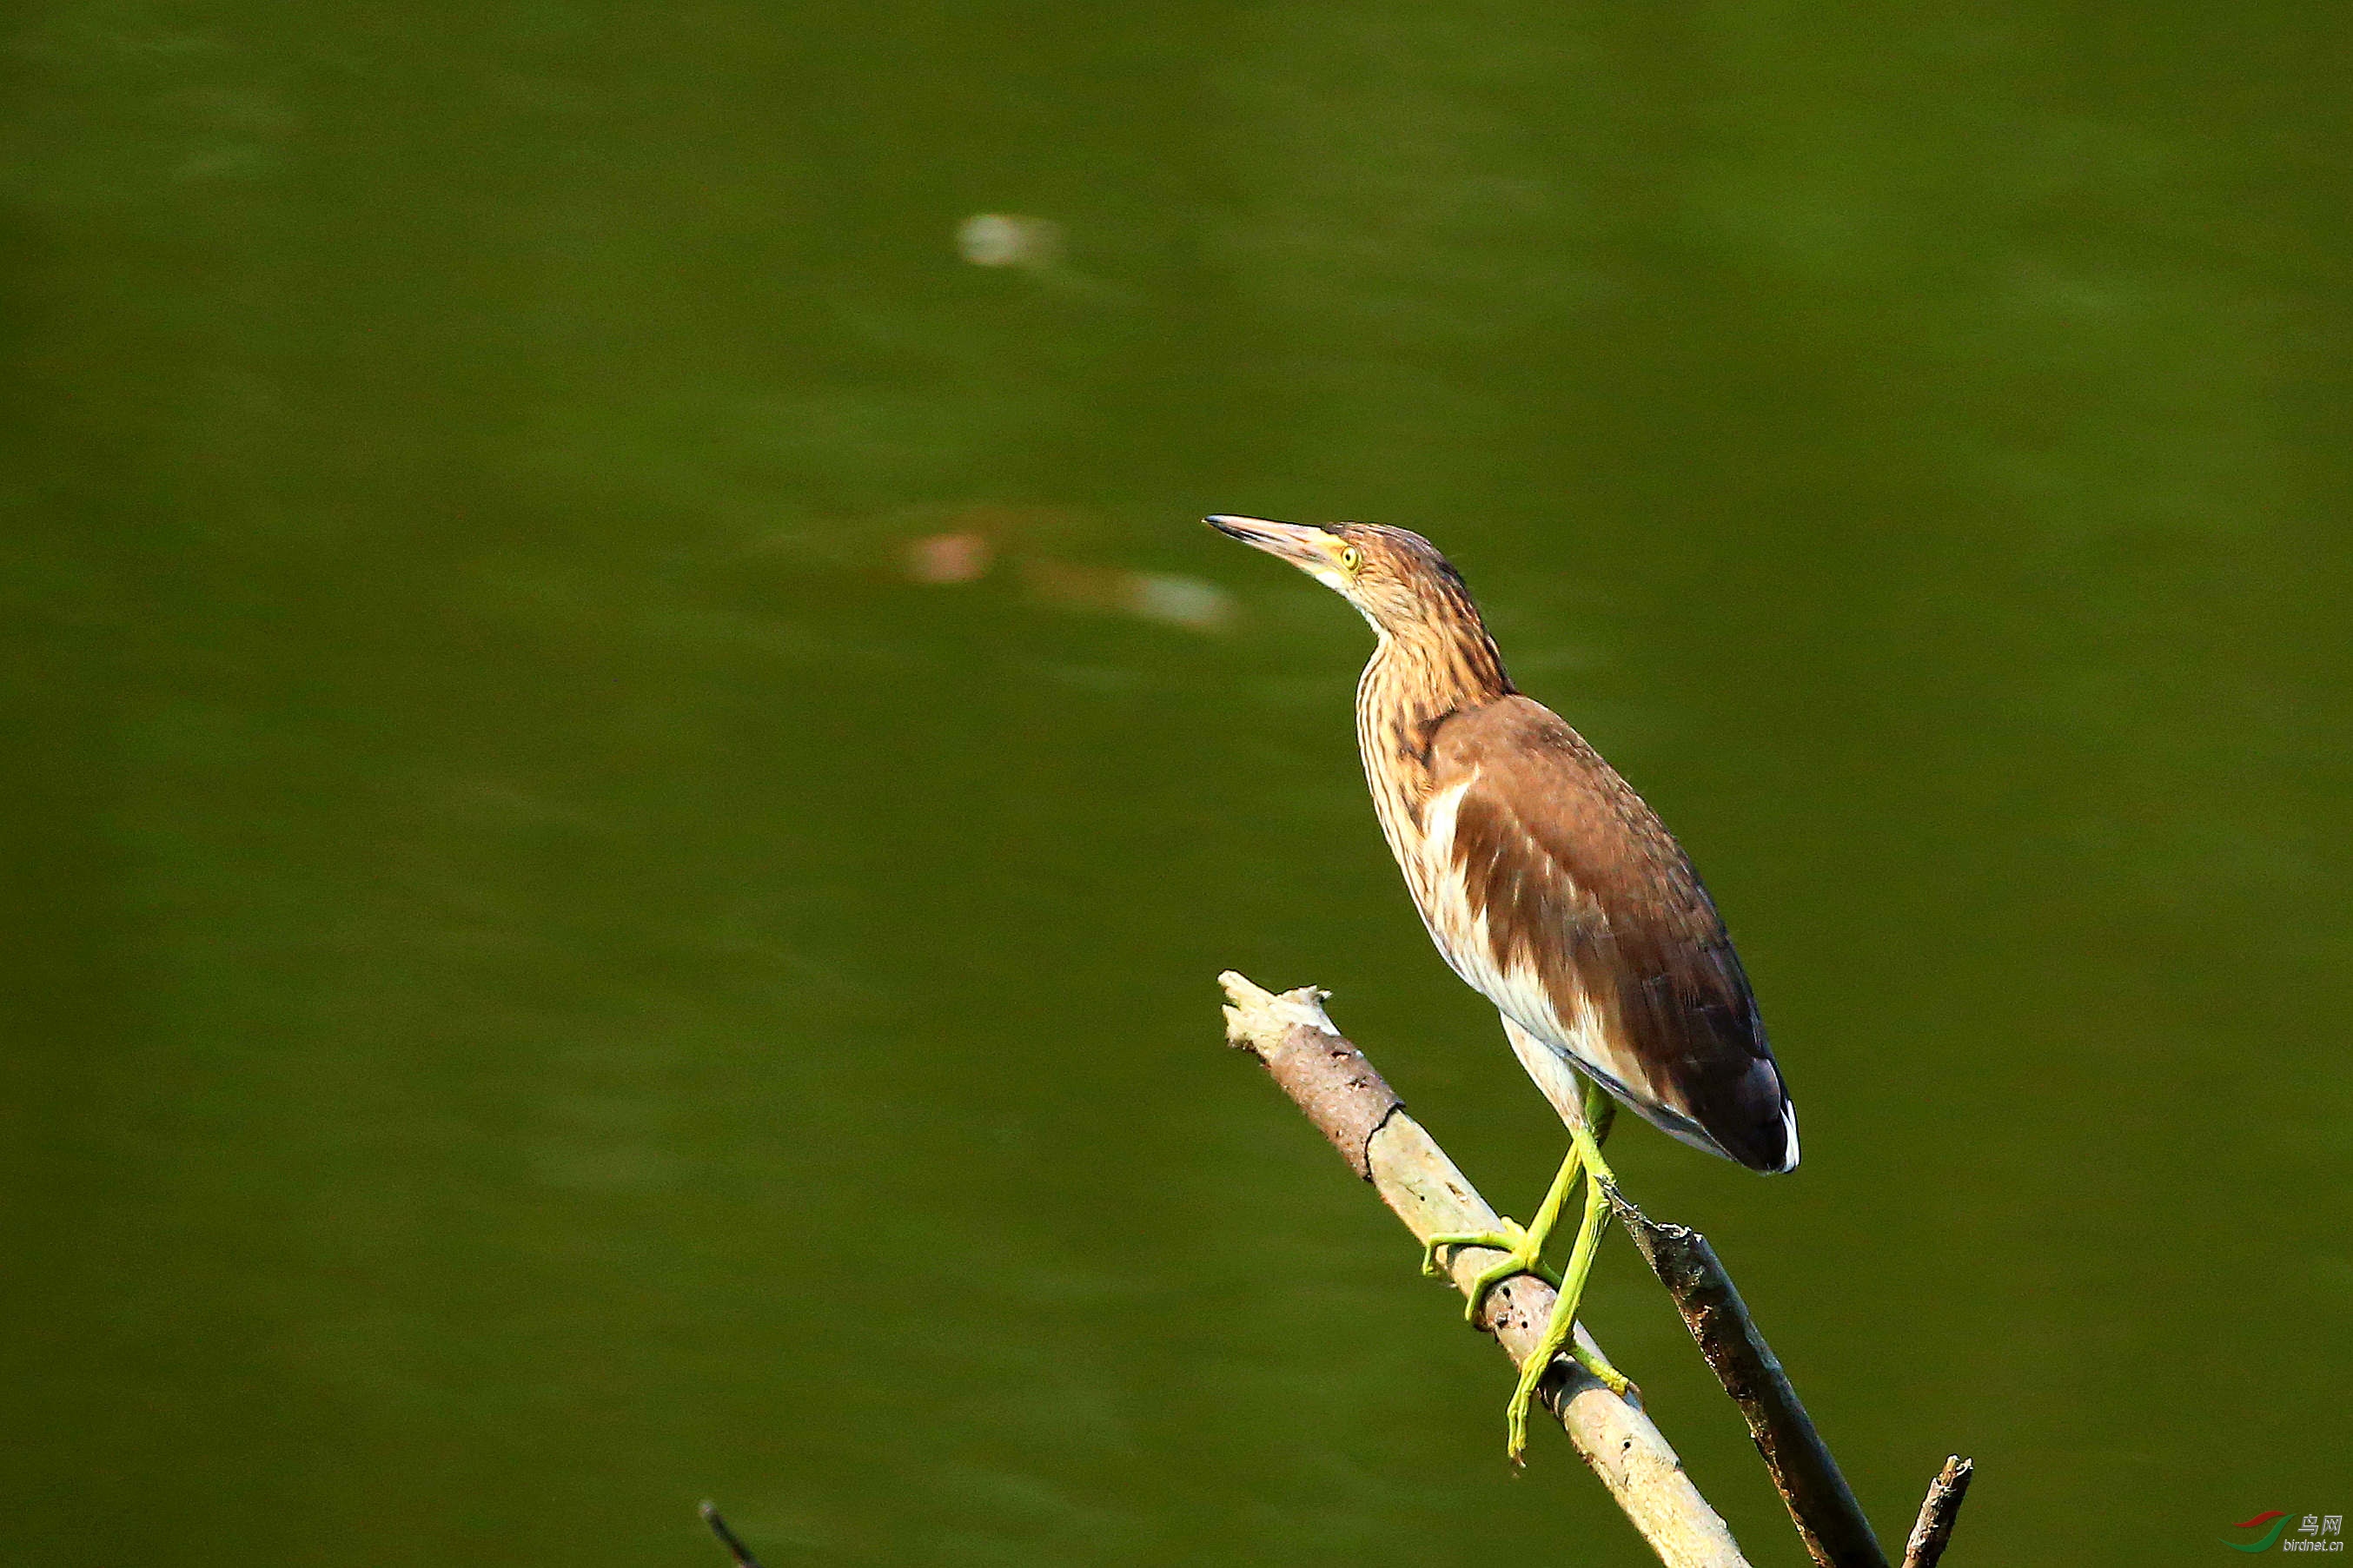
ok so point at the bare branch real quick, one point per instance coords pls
(1331, 1081)
(1829, 1519)
(1937, 1513)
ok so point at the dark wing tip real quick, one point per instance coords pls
(1757, 1123)
(1748, 1116)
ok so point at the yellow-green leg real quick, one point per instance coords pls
(1560, 1330)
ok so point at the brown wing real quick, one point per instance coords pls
(1573, 881)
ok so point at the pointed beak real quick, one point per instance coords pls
(1300, 543)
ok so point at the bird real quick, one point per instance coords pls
(1552, 888)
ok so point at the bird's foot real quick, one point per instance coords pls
(1522, 1251)
(1522, 1245)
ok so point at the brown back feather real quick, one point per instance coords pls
(1579, 879)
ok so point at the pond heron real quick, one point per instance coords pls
(1555, 892)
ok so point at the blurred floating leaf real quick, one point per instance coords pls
(949, 558)
(1186, 601)
(1035, 246)
(1007, 240)
(1181, 601)
(965, 544)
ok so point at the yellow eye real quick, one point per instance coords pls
(1350, 558)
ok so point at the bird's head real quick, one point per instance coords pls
(1396, 578)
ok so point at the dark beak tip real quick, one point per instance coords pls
(1249, 530)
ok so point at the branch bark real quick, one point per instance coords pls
(1820, 1504)
(1331, 1081)
(1937, 1513)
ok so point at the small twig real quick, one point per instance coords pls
(735, 1548)
(1942, 1507)
(1821, 1503)
(1331, 1081)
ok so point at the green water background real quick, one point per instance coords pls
(547, 977)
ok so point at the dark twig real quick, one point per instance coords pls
(1937, 1512)
(1829, 1519)
(735, 1548)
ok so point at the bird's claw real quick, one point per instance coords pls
(1511, 1240)
(1523, 1254)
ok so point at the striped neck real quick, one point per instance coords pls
(1411, 684)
